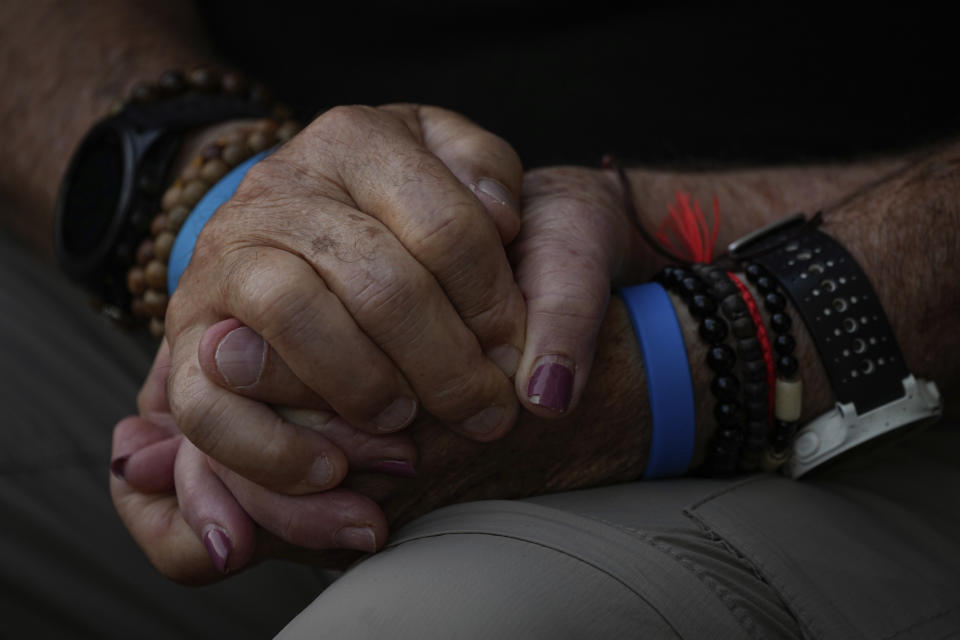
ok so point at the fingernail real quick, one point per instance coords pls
(485, 421)
(398, 468)
(310, 418)
(240, 357)
(359, 538)
(507, 357)
(397, 415)
(119, 465)
(218, 547)
(320, 473)
(496, 191)
(551, 384)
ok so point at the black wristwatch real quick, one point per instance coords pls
(113, 184)
(875, 392)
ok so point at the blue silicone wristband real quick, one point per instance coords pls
(182, 249)
(669, 384)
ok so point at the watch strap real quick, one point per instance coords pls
(874, 391)
(96, 248)
(843, 315)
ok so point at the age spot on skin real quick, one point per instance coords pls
(325, 244)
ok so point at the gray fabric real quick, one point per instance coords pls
(68, 568)
(867, 549)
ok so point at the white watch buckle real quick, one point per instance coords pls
(842, 429)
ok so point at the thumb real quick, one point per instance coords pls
(564, 259)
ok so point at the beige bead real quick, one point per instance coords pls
(192, 192)
(213, 170)
(287, 130)
(163, 245)
(171, 197)
(209, 151)
(176, 217)
(155, 302)
(258, 141)
(156, 275)
(191, 171)
(773, 461)
(156, 328)
(158, 224)
(235, 153)
(145, 251)
(136, 281)
(267, 126)
(236, 136)
(789, 398)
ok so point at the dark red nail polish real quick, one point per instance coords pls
(118, 466)
(551, 386)
(399, 468)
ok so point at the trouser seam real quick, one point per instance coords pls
(743, 618)
(766, 574)
(632, 589)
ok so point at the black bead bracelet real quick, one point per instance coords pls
(696, 292)
(755, 388)
(789, 387)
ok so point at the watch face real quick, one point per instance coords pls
(93, 192)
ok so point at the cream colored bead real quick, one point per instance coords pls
(258, 141)
(156, 327)
(163, 245)
(772, 461)
(287, 130)
(789, 398)
(176, 218)
(235, 153)
(191, 171)
(171, 196)
(192, 192)
(155, 303)
(156, 275)
(213, 170)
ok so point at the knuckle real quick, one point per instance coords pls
(179, 314)
(344, 120)
(490, 151)
(261, 183)
(273, 300)
(195, 412)
(496, 316)
(569, 303)
(453, 397)
(390, 304)
(450, 231)
(278, 458)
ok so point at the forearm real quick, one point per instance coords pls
(752, 197)
(69, 63)
(902, 231)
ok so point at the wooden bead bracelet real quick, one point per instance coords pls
(147, 278)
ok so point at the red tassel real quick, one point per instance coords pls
(689, 225)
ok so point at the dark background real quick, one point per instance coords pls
(655, 84)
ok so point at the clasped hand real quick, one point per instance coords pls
(358, 277)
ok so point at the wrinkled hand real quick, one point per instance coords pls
(575, 241)
(179, 509)
(365, 260)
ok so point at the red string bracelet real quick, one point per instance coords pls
(764, 339)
